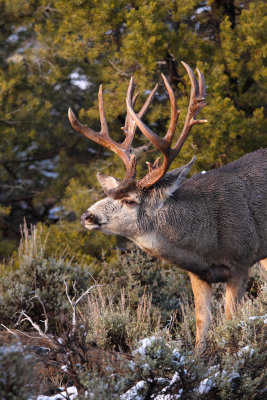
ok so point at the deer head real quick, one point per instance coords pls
(129, 200)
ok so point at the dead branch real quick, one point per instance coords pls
(74, 302)
(34, 325)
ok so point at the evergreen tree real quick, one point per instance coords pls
(55, 56)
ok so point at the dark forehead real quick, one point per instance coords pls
(124, 189)
(128, 187)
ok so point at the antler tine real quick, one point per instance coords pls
(155, 172)
(196, 103)
(148, 102)
(194, 82)
(128, 125)
(103, 138)
(174, 112)
(130, 90)
(104, 126)
(202, 85)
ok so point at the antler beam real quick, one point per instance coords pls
(197, 96)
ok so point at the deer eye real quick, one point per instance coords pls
(129, 202)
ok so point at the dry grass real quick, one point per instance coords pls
(114, 323)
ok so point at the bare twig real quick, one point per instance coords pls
(74, 302)
(34, 325)
(141, 149)
(36, 295)
(27, 335)
(120, 71)
(10, 331)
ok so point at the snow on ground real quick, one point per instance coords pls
(70, 393)
(13, 348)
(138, 391)
(144, 344)
(134, 392)
(263, 317)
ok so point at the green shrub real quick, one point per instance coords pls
(40, 280)
(139, 273)
(18, 373)
(138, 299)
(162, 368)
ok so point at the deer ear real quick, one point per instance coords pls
(177, 177)
(107, 182)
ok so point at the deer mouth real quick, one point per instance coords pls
(92, 226)
(89, 226)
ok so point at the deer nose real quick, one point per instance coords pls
(89, 217)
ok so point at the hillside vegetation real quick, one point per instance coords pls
(55, 55)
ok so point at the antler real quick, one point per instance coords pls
(103, 138)
(123, 150)
(197, 96)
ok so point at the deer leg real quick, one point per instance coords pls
(202, 296)
(264, 263)
(235, 289)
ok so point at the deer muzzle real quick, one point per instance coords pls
(90, 220)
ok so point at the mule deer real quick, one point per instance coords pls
(213, 225)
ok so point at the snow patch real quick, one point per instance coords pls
(70, 393)
(133, 393)
(200, 10)
(13, 348)
(80, 80)
(144, 344)
(54, 212)
(246, 351)
(255, 318)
